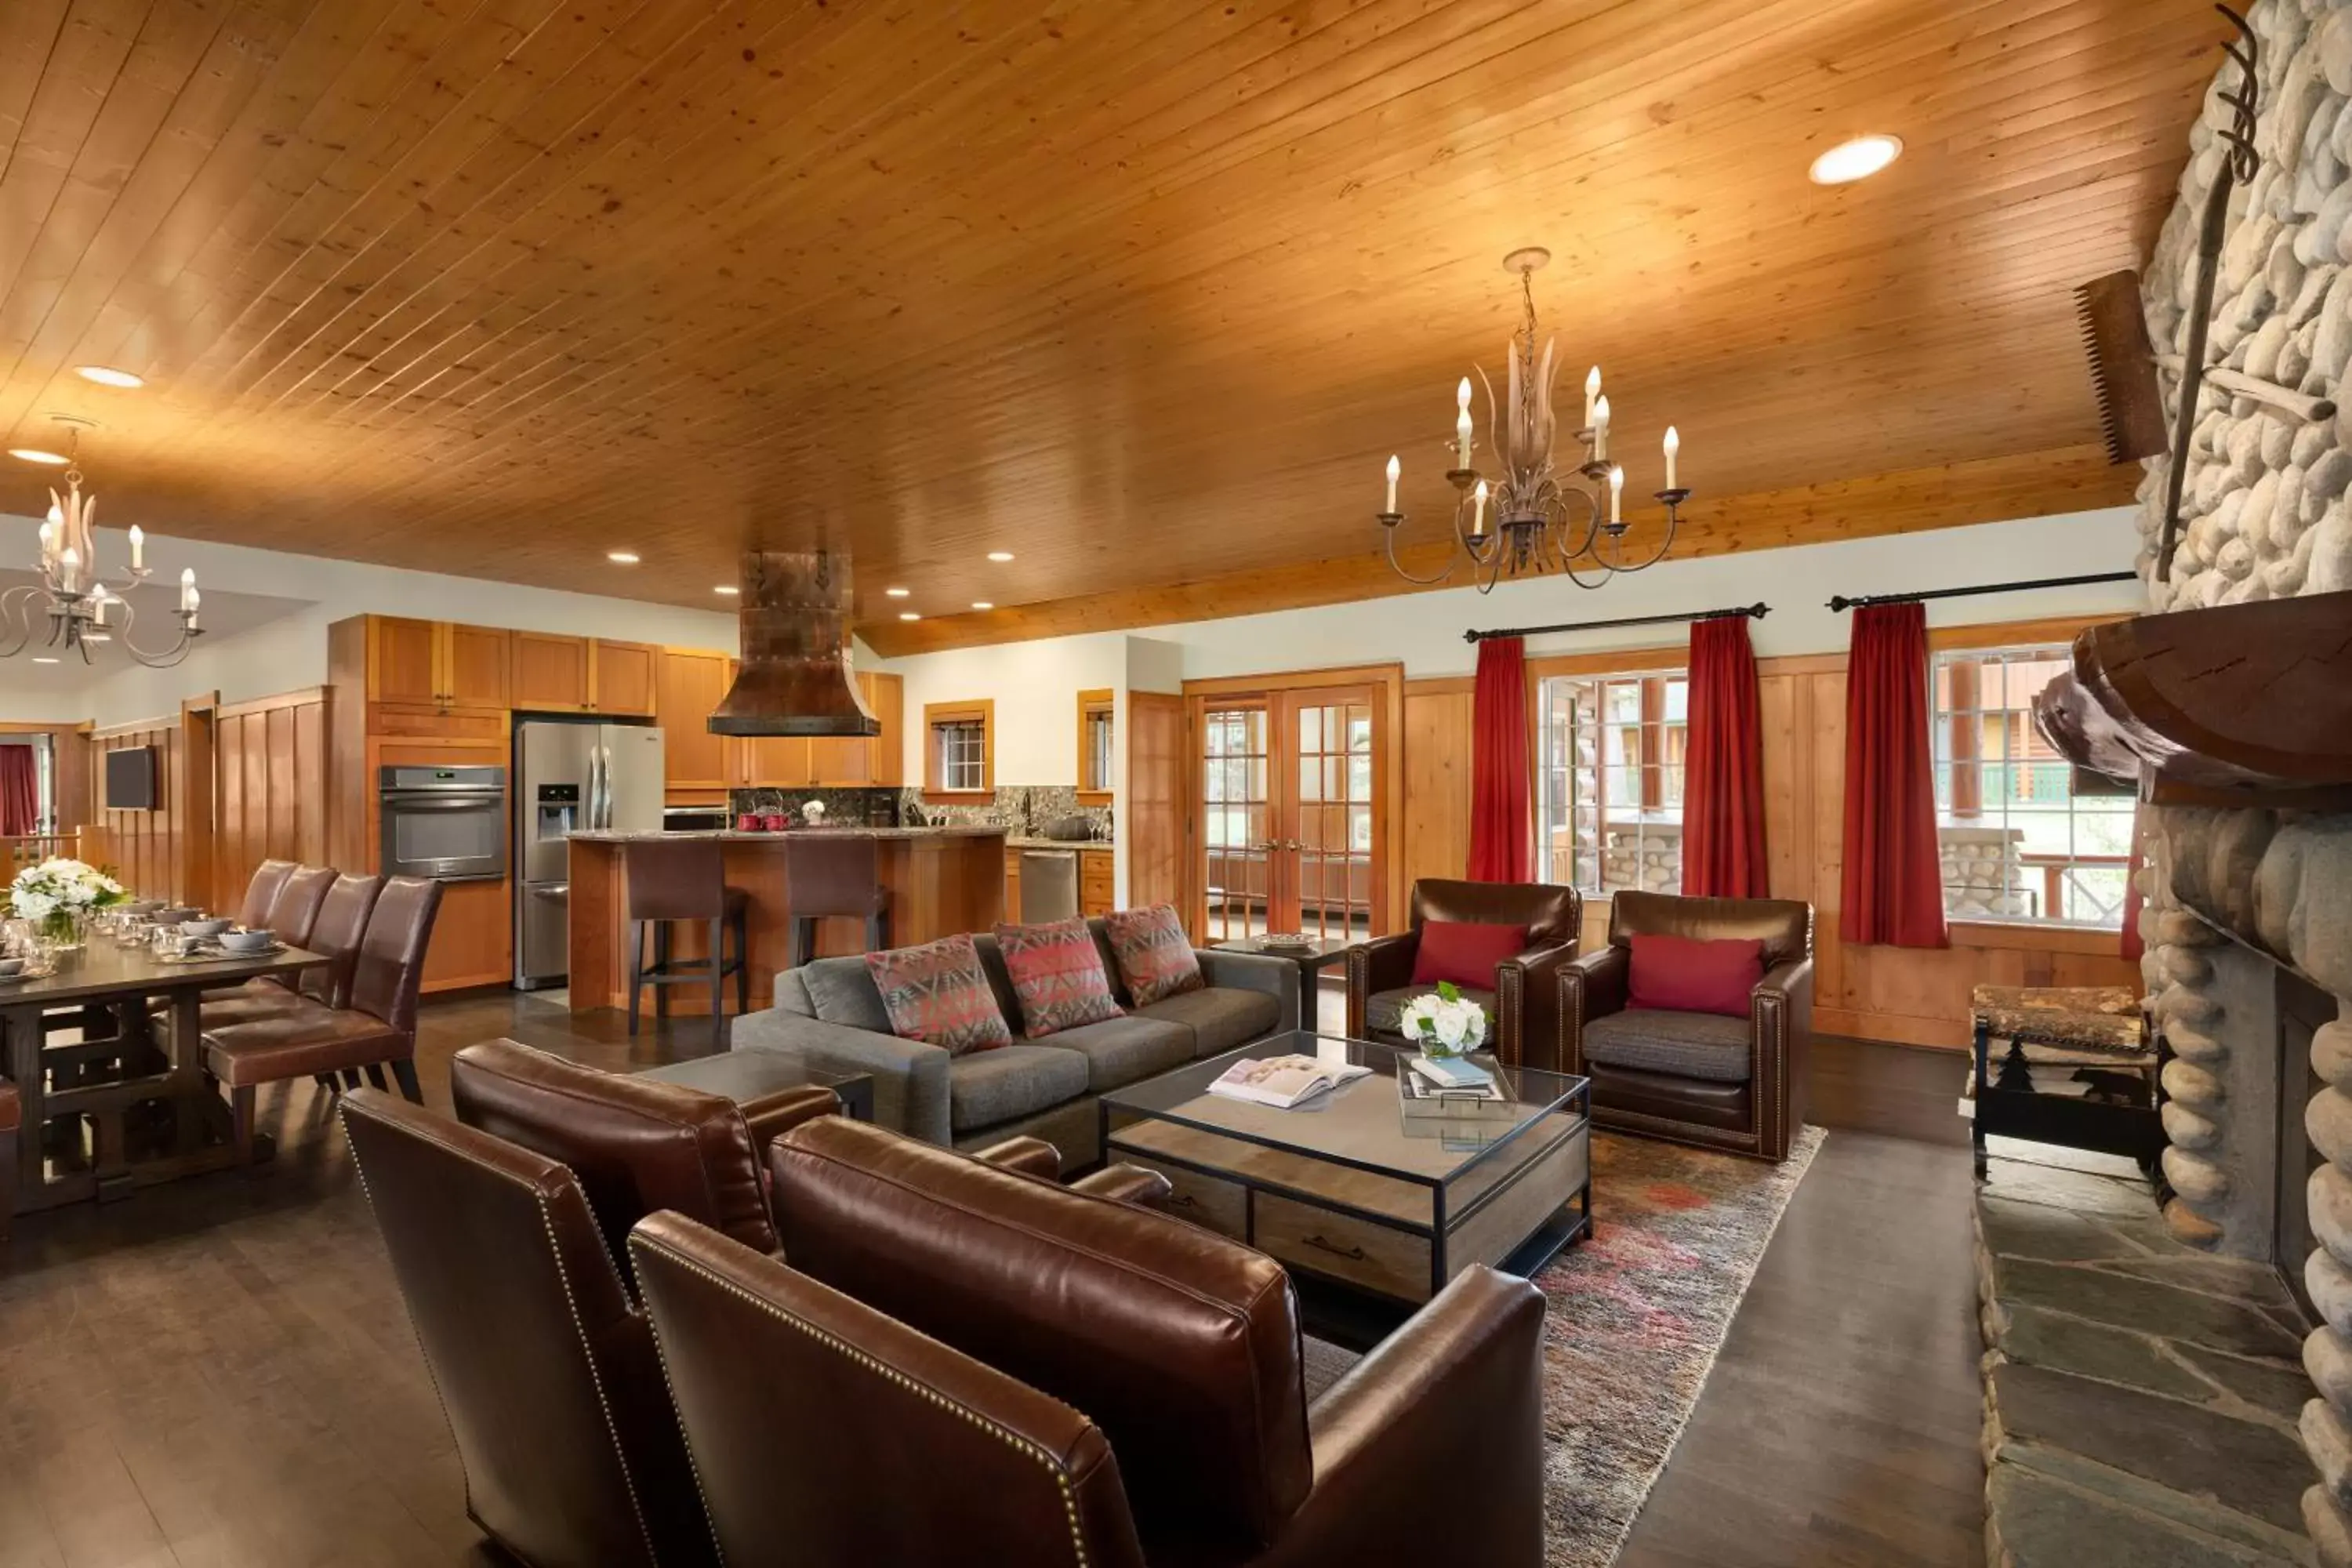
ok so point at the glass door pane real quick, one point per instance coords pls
(1236, 822)
(1328, 838)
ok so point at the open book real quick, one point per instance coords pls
(1284, 1082)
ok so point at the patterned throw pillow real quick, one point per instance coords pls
(1155, 956)
(938, 993)
(1058, 973)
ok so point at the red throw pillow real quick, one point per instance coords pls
(1685, 975)
(1057, 972)
(1154, 955)
(1464, 951)
(938, 993)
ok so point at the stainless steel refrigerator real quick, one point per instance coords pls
(571, 777)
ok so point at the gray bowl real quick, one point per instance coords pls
(245, 941)
(11, 967)
(204, 928)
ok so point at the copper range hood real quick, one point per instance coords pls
(795, 678)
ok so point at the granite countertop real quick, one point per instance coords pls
(611, 835)
(1029, 841)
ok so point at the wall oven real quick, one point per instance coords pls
(448, 825)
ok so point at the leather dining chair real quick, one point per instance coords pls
(335, 934)
(261, 891)
(548, 1377)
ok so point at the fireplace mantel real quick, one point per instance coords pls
(2244, 705)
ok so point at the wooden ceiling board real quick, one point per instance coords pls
(1145, 290)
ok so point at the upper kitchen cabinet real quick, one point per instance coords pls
(687, 686)
(622, 677)
(436, 664)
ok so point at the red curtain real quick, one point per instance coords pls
(1502, 767)
(20, 792)
(1894, 880)
(1723, 775)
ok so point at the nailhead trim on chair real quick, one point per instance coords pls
(1053, 1466)
(579, 1330)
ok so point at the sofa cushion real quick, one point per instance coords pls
(1691, 975)
(1057, 976)
(1385, 1010)
(1127, 1048)
(985, 1087)
(1220, 1017)
(1688, 1045)
(938, 994)
(1155, 957)
(1464, 951)
(841, 991)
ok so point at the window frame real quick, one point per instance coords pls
(1098, 700)
(936, 715)
(1669, 662)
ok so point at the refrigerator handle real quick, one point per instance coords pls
(604, 773)
(596, 793)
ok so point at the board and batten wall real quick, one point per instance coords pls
(1914, 996)
(235, 786)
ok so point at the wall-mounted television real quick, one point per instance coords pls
(130, 779)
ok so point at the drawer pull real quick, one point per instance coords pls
(1182, 1201)
(1353, 1254)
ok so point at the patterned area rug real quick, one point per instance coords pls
(1637, 1314)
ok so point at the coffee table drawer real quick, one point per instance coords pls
(1392, 1262)
(1210, 1201)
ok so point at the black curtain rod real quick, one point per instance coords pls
(1752, 612)
(1843, 602)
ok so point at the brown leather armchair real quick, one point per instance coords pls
(549, 1379)
(1182, 1345)
(1697, 1078)
(1522, 1005)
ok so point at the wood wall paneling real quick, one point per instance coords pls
(142, 848)
(1437, 739)
(273, 788)
(1151, 817)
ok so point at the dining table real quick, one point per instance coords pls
(126, 1103)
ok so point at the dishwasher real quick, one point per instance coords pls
(1049, 886)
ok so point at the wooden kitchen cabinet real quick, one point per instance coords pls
(1097, 883)
(622, 677)
(434, 663)
(550, 674)
(687, 687)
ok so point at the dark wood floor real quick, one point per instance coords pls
(220, 1372)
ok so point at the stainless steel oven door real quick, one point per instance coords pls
(447, 836)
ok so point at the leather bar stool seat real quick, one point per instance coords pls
(829, 875)
(674, 880)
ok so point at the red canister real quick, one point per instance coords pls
(749, 822)
(775, 822)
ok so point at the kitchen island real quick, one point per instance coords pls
(942, 880)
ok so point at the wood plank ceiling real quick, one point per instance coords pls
(1142, 290)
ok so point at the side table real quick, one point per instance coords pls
(743, 1076)
(1312, 960)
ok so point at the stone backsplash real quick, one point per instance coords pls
(870, 807)
(1022, 810)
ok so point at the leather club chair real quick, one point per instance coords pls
(637, 1144)
(549, 1379)
(1707, 1078)
(1521, 1004)
(1182, 1345)
(827, 1434)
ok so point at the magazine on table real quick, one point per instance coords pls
(1284, 1082)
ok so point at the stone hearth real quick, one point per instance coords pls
(2141, 1395)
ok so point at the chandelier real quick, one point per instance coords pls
(1532, 516)
(79, 606)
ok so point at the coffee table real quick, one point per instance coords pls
(1342, 1190)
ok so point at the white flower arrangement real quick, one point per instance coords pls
(1443, 1023)
(56, 893)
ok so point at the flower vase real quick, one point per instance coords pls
(63, 936)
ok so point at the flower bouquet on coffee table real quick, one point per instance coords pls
(1443, 1023)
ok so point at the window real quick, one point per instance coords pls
(1610, 796)
(1096, 712)
(2018, 841)
(959, 748)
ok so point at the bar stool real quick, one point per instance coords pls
(684, 879)
(834, 875)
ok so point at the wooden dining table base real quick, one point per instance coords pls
(108, 1078)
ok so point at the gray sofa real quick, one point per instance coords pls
(829, 1015)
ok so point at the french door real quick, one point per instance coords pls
(1291, 833)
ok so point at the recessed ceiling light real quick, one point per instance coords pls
(622, 557)
(898, 592)
(107, 375)
(1856, 160)
(982, 605)
(35, 455)
(908, 615)
(999, 555)
(43, 659)
(728, 589)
